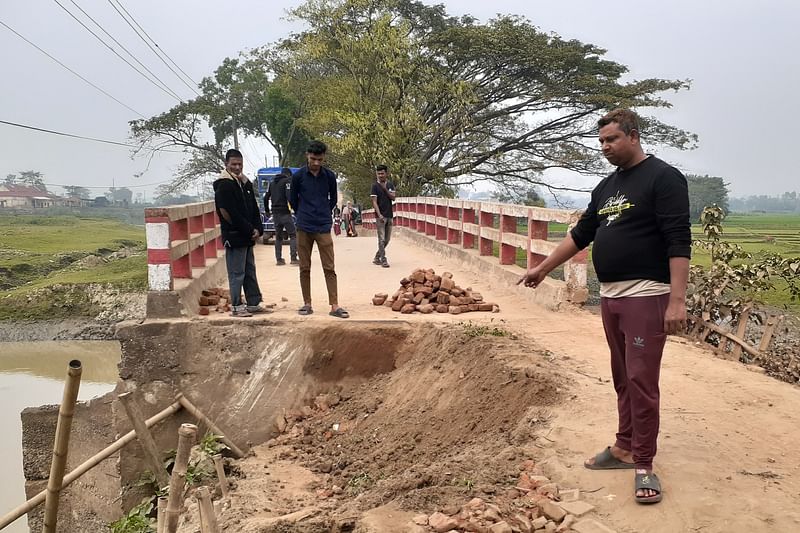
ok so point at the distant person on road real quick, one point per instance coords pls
(638, 219)
(240, 224)
(382, 195)
(349, 219)
(276, 201)
(313, 196)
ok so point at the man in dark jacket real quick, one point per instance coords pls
(276, 202)
(313, 196)
(240, 223)
(638, 219)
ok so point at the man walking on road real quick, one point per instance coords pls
(382, 196)
(638, 218)
(240, 224)
(313, 196)
(276, 201)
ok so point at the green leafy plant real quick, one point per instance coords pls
(736, 278)
(476, 330)
(137, 520)
(212, 444)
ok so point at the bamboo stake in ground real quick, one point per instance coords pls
(162, 514)
(195, 412)
(208, 520)
(187, 434)
(223, 479)
(61, 446)
(87, 465)
(149, 447)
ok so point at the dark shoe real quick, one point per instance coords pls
(256, 309)
(650, 482)
(305, 310)
(385, 263)
(376, 261)
(241, 312)
(295, 261)
(340, 313)
(605, 460)
(280, 262)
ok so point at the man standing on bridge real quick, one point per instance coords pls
(313, 196)
(382, 195)
(638, 218)
(277, 199)
(240, 224)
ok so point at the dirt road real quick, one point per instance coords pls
(728, 449)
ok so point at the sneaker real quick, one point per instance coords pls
(295, 261)
(255, 309)
(385, 263)
(241, 311)
(280, 262)
(376, 261)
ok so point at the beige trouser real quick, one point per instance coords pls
(305, 243)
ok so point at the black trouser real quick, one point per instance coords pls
(285, 222)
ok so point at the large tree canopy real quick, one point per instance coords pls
(444, 101)
(447, 101)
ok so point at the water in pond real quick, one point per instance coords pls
(32, 374)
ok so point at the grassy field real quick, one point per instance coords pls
(755, 233)
(41, 252)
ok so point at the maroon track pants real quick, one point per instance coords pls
(634, 329)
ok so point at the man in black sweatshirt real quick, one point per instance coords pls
(240, 224)
(638, 219)
(276, 201)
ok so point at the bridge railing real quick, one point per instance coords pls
(486, 225)
(180, 240)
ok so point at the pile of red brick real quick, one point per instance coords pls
(425, 291)
(215, 299)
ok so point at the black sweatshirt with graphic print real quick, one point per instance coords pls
(638, 218)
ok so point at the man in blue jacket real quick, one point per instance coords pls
(313, 196)
(240, 224)
(638, 219)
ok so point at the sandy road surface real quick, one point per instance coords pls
(729, 450)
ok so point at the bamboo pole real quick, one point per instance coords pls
(61, 445)
(149, 447)
(717, 329)
(208, 520)
(224, 488)
(741, 330)
(195, 412)
(162, 514)
(187, 434)
(87, 465)
(772, 323)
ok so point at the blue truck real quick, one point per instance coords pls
(264, 177)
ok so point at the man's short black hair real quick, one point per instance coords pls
(286, 171)
(381, 167)
(317, 148)
(233, 152)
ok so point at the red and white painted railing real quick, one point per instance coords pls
(180, 238)
(469, 223)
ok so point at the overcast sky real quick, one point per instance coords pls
(741, 55)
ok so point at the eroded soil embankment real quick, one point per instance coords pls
(454, 420)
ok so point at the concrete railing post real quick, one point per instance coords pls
(537, 230)
(453, 216)
(441, 219)
(508, 252)
(467, 217)
(485, 220)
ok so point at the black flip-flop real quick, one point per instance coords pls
(650, 482)
(305, 310)
(605, 460)
(340, 313)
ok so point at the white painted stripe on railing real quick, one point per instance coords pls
(159, 277)
(157, 235)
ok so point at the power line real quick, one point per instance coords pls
(193, 88)
(164, 89)
(74, 136)
(69, 69)
(119, 3)
(87, 15)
